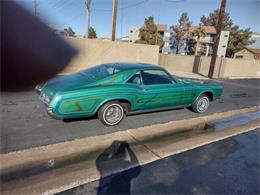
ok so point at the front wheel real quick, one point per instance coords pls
(201, 104)
(111, 113)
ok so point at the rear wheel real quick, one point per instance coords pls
(111, 113)
(201, 104)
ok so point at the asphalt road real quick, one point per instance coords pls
(230, 166)
(25, 124)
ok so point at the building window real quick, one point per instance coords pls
(239, 57)
(167, 34)
(257, 57)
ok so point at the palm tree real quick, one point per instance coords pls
(200, 33)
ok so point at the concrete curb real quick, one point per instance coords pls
(42, 159)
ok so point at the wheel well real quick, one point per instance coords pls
(209, 94)
(125, 103)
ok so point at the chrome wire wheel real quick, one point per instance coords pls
(202, 104)
(113, 114)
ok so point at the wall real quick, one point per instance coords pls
(241, 68)
(224, 68)
(204, 65)
(96, 51)
(176, 62)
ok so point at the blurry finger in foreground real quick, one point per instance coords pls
(31, 52)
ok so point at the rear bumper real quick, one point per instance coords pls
(50, 113)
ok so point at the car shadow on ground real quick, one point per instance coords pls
(79, 119)
(128, 115)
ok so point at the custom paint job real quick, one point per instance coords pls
(83, 93)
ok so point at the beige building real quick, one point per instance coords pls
(206, 45)
(248, 54)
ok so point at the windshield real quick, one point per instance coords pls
(101, 71)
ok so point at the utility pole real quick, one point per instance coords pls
(156, 36)
(216, 43)
(35, 7)
(114, 19)
(88, 3)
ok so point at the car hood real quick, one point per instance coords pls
(66, 83)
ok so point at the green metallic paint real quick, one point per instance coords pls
(76, 96)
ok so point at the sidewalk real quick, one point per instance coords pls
(210, 169)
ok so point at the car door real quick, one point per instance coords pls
(160, 90)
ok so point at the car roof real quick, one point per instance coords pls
(133, 66)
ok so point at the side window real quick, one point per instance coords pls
(135, 79)
(112, 70)
(156, 77)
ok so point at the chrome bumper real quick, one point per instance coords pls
(50, 113)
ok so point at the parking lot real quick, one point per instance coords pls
(25, 123)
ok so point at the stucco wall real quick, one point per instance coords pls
(95, 51)
(177, 62)
(224, 68)
(205, 64)
(198, 64)
(240, 68)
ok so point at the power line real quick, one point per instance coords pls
(59, 6)
(122, 8)
(74, 18)
(174, 1)
(57, 3)
(62, 6)
(134, 5)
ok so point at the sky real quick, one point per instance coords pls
(131, 13)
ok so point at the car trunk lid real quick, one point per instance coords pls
(66, 82)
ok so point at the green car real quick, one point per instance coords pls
(114, 90)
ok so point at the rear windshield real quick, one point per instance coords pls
(101, 71)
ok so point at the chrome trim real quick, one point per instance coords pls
(113, 114)
(43, 98)
(203, 104)
(157, 109)
(50, 113)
